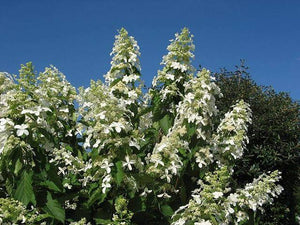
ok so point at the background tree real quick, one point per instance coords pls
(273, 138)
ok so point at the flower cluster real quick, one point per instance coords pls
(14, 212)
(81, 222)
(216, 203)
(198, 105)
(104, 114)
(122, 215)
(124, 74)
(231, 136)
(177, 68)
(164, 160)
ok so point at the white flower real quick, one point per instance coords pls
(106, 183)
(161, 147)
(134, 144)
(164, 195)
(3, 122)
(174, 168)
(128, 162)
(3, 140)
(179, 222)
(197, 198)
(66, 185)
(87, 141)
(217, 194)
(177, 65)
(23, 219)
(61, 170)
(106, 165)
(106, 131)
(106, 179)
(189, 97)
(170, 76)
(167, 176)
(36, 111)
(69, 133)
(105, 186)
(156, 159)
(85, 180)
(233, 198)
(132, 94)
(130, 78)
(203, 223)
(154, 81)
(101, 115)
(21, 129)
(252, 205)
(118, 126)
(97, 143)
(66, 110)
(145, 192)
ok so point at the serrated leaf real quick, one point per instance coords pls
(54, 180)
(18, 167)
(51, 185)
(54, 208)
(120, 173)
(165, 124)
(166, 210)
(24, 192)
(96, 196)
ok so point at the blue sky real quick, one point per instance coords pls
(77, 36)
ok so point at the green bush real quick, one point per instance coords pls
(111, 154)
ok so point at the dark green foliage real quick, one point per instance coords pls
(273, 138)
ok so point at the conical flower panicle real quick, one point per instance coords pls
(7, 88)
(198, 109)
(8, 91)
(56, 92)
(231, 136)
(6, 83)
(215, 201)
(198, 104)
(165, 160)
(103, 113)
(109, 134)
(177, 69)
(124, 75)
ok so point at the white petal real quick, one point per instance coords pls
(118, 129)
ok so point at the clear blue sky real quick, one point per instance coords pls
(77, 36)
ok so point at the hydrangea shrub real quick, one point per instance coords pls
(115, 154)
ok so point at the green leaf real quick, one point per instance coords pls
(103, 221)
(115, 82)
(24, 192)
(53, 208)
(137, 204)
(54, 182)
(165, 124)
(96, 196)
(191, 129)
(120, 173)
(18, 167)
(51, 185)
(166, 210)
